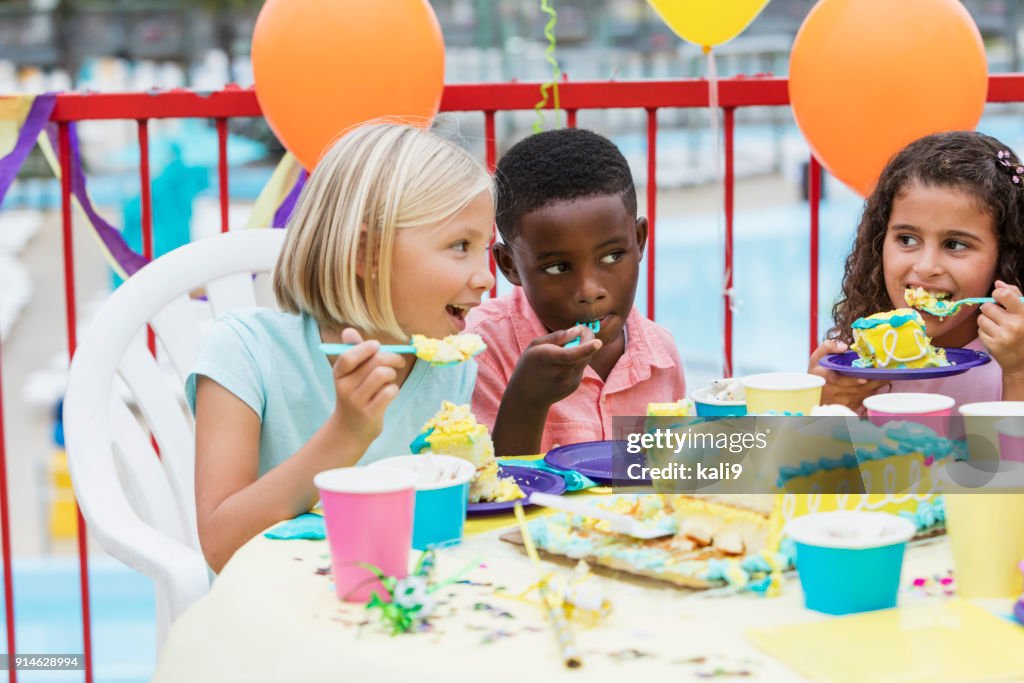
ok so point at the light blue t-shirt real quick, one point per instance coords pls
(272, 362)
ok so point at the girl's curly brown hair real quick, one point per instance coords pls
(965, 160)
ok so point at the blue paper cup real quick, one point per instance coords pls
(442, 492)
(707, 406)
(850, 561)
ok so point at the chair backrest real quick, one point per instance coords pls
(141, 507)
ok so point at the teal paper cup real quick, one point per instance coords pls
(850, 561)
(442, 492)
(707, 406)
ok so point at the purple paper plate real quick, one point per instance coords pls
(961, 360)
(593, 459)
(529, 480)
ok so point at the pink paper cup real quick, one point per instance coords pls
(368, 513)
(933, 409)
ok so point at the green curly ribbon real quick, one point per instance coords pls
(400, 618)
(556, 72)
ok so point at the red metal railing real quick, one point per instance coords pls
(651, 96)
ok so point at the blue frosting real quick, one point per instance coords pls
(556, 533)
(897, 320)
(420, 443)
(753, 572)
(928, 513)
(905, 437)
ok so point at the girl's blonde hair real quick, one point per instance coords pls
(378, 178)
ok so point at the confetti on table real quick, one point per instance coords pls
(484, 607)
(629, 654)
(936, 585)
(495, 636)
(724, 673)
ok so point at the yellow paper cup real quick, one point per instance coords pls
(782, 392)
(985, 524)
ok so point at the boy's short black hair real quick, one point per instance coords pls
(558, 165)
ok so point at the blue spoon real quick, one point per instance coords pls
(595, 327)
(337, 349)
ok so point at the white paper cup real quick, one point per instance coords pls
(980, 426)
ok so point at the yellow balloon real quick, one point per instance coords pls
(708, 22)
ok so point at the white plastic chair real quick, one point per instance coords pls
(141, 508)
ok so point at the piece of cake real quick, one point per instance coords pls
(847, 464)
(937, 305)
(454, 430)
(715, 539)
(895, 339)
(455, 348)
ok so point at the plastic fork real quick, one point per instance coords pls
(619, 523)
(943, 309)
(595, 327)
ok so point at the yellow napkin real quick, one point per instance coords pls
(954, 641)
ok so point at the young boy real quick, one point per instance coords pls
(572, 245)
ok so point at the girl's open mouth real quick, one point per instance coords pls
(457, 314)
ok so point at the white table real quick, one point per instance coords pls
(271, 617)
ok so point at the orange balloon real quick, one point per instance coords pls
(867, 77)
(322, 66)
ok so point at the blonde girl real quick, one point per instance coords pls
(388, 238)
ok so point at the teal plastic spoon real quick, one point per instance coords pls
(943, 309)
(595, 327)
(338, 349)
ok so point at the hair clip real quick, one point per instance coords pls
(1006, 159)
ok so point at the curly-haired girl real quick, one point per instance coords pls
(947, 215)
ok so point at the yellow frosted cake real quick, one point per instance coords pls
(454, 348)
(939, 305)
(454, 430)
(884, 468)
(710, 540)
(895, 339)
(809, 464)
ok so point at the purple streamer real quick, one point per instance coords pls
(35, 122)
(111, 237)
(38, 115)
(284, 212)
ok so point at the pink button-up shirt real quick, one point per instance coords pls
(649, 370)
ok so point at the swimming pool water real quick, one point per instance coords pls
(47, 612)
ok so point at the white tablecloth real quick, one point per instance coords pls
(270, 616)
